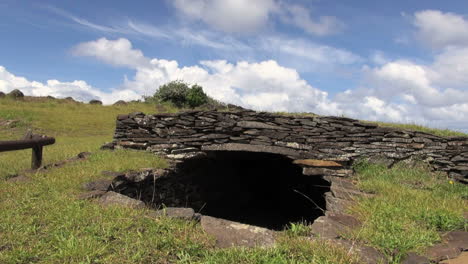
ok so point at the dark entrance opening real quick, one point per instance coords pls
(260, 189)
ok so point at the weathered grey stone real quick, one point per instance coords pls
(246, 147)
(367, 255)
(113, 198)
(120, 102)
(90, 195)
(259, 125)
(16, 94)
(233, 234)
(326, 228)
(175, 212)
(95, 102)
(318, 163)
(98, 185)
(414, 258)
(330, 138)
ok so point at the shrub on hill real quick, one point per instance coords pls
(182, 95)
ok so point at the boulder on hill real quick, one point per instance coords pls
(16, 94)
(120, 102)
(50, 97)
(69, 98)
(2, 95)
(95, 102)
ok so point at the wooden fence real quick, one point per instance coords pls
(35, 142)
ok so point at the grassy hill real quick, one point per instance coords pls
(41, 221)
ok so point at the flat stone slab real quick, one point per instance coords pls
(333, 226)
(98, 185)
(113, 198)
(176, 212)
(317, 163)
(461, 259)
(367, 255)
(251, 148)
(19, 178)
(232, 234)
(454, 243)
(413, 258)
(90, 195)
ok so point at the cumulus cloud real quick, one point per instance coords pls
(439, 30)
(78, 89)
(115, 52)
(235, 16)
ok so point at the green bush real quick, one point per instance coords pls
(180, 94)
(174, 92)
(196, 96)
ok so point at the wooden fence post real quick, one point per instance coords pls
(36, 157)
(34, 142)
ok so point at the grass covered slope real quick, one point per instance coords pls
(43, 222)
(412, 206)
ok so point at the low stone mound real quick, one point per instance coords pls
(95, 102)
(120, 102)
(16, 94)
(2, 95)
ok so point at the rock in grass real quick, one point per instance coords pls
(2, 95)
(16, 94)
(99, 185)
(95, 102)
(231, 234)
(176, 212)
(90, 195)
(120, 102)
(113, 198)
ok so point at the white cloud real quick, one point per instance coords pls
(79, 90)
(450, 68)
(300, 17)
(115, 52)
(439, 30)
(234, 16)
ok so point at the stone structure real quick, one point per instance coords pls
(337, 139)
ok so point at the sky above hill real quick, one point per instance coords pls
(397, 61)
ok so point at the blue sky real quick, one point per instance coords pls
(397, 61)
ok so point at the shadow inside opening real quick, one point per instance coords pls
(260, 189)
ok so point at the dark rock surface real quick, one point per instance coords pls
(95, 102)
(2, 95)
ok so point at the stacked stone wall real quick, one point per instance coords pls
(338, 139)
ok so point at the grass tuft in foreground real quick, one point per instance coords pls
(411, 207)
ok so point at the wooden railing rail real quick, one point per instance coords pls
(34, 142)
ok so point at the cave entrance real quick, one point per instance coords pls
(260, 189)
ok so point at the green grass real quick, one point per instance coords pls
(43, 222)
(411, 207)
(420, 128)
